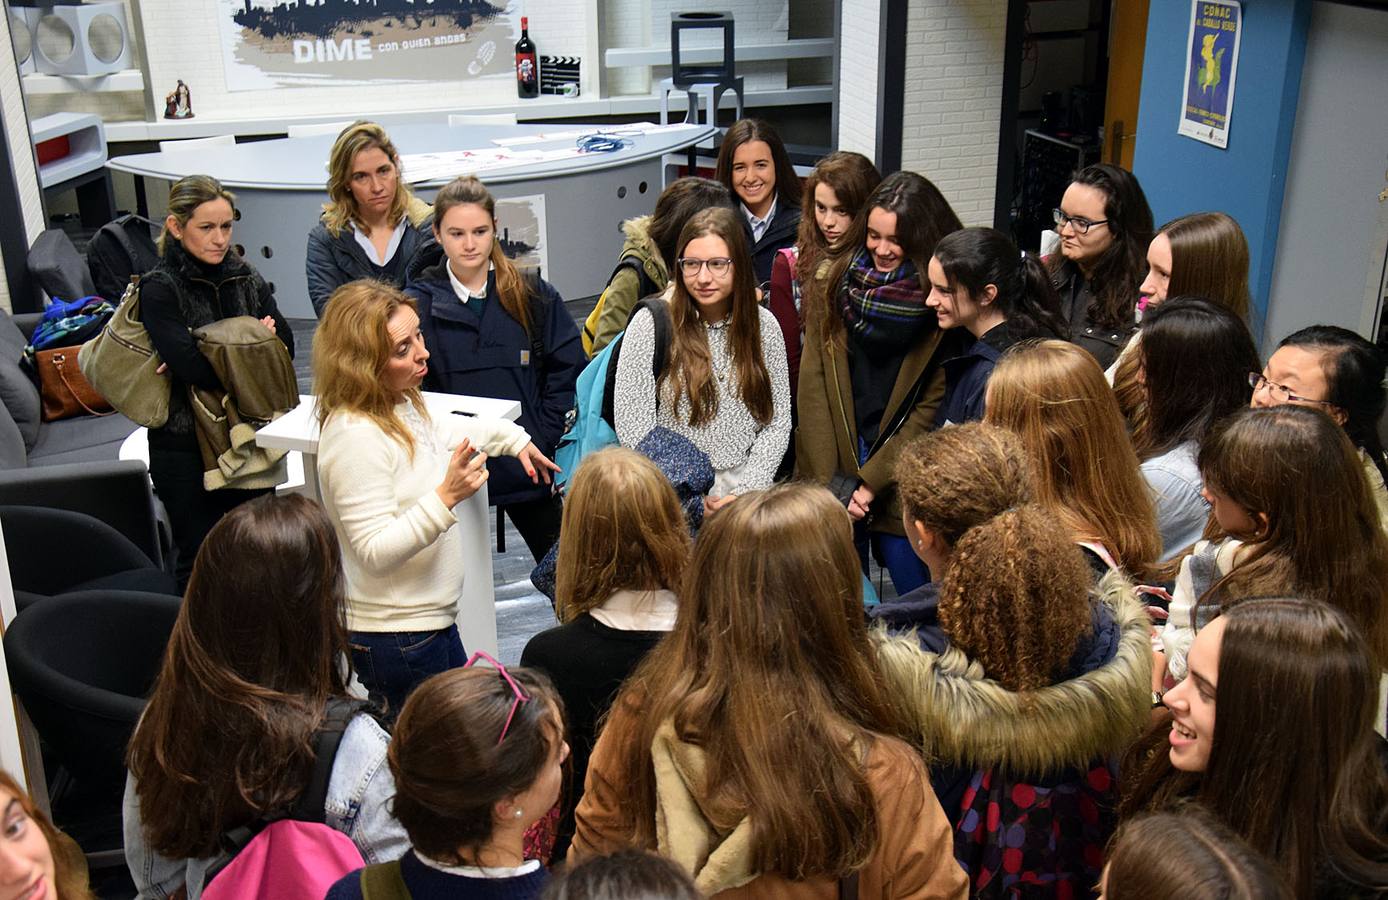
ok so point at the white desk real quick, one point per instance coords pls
(298, 430)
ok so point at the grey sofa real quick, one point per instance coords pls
(73, 463)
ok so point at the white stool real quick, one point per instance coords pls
(711, 91)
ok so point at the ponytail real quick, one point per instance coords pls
(1015, 597)
(974, 258)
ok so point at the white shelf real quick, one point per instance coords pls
(797, 48)
(545, 107)
(125, 80)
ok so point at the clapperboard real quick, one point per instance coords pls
(558, 71)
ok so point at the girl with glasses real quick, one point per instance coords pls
(1342, 374)
(478, 757)
(723, 383)
(870, 376)
(1104, 225)
(1273, 734)
(1292, 512)
(754, 746)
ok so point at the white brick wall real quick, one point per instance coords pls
(21, 151)
(953, 99)
(858, 87)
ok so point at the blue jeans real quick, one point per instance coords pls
(893, 552)
(390, 664)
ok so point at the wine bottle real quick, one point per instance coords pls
(527, 64)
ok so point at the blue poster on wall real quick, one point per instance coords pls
(1212, 61)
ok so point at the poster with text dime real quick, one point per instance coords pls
(297, 43)
(1212, 61)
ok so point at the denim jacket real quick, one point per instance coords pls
(358, 792)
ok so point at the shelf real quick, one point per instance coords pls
(124, 80)
(543, 108)
(797, 48)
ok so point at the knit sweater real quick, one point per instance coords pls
(401, 554)
(744, 453)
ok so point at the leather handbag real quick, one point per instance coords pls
(62, 389)
(122, 364)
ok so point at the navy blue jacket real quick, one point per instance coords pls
(966, 377)
(330, 262)
(489, 356)
(780, 232)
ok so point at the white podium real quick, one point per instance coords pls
(298, 430)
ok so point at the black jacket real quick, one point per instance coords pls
(779, 233)
(183, 294)
(1077, 308)
(490, 356)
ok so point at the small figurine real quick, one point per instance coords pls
(179, 103)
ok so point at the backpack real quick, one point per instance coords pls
(591, 424)
(644, 288)
(119, 249)
(287, 855)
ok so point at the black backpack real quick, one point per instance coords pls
(119, 249)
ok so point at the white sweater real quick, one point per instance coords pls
(402, 556)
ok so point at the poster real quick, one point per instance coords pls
(520, 225)
(293, 43)
(1212, 60)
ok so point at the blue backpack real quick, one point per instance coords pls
(591, 424)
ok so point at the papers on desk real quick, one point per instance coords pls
(635, 129)
(450, 164)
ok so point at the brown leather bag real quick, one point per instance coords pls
(63, 390)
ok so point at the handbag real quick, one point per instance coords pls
(122, 364)
(62, 389)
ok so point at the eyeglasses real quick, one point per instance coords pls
(1080, 225)
(719, 265)
(521, 696)
(1279, 392)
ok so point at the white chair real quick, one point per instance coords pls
(220, 140)
(481, 119)
(333, 128)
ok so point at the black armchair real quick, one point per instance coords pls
(57, 551)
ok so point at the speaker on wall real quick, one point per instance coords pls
(90, 39)
(22, 21)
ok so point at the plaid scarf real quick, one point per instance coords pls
(884, 309)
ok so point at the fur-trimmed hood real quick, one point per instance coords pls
(962, 718)
(639, 244)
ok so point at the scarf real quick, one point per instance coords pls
(884, 309)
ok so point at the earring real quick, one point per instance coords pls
(519, 812)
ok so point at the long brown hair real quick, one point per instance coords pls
(255, 655)
(923, 216)
(852, 177)
(623, 529)
(1293, 765)
(770, 611)
(350, 350)
(1188, 854)
(745, 131)
(1323, 538)
(1054, 396)
(69, 864)
(450, 768)
(512, 288)
(688, 374)
(1014, 595)
(1118, 272)
(341, 207)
